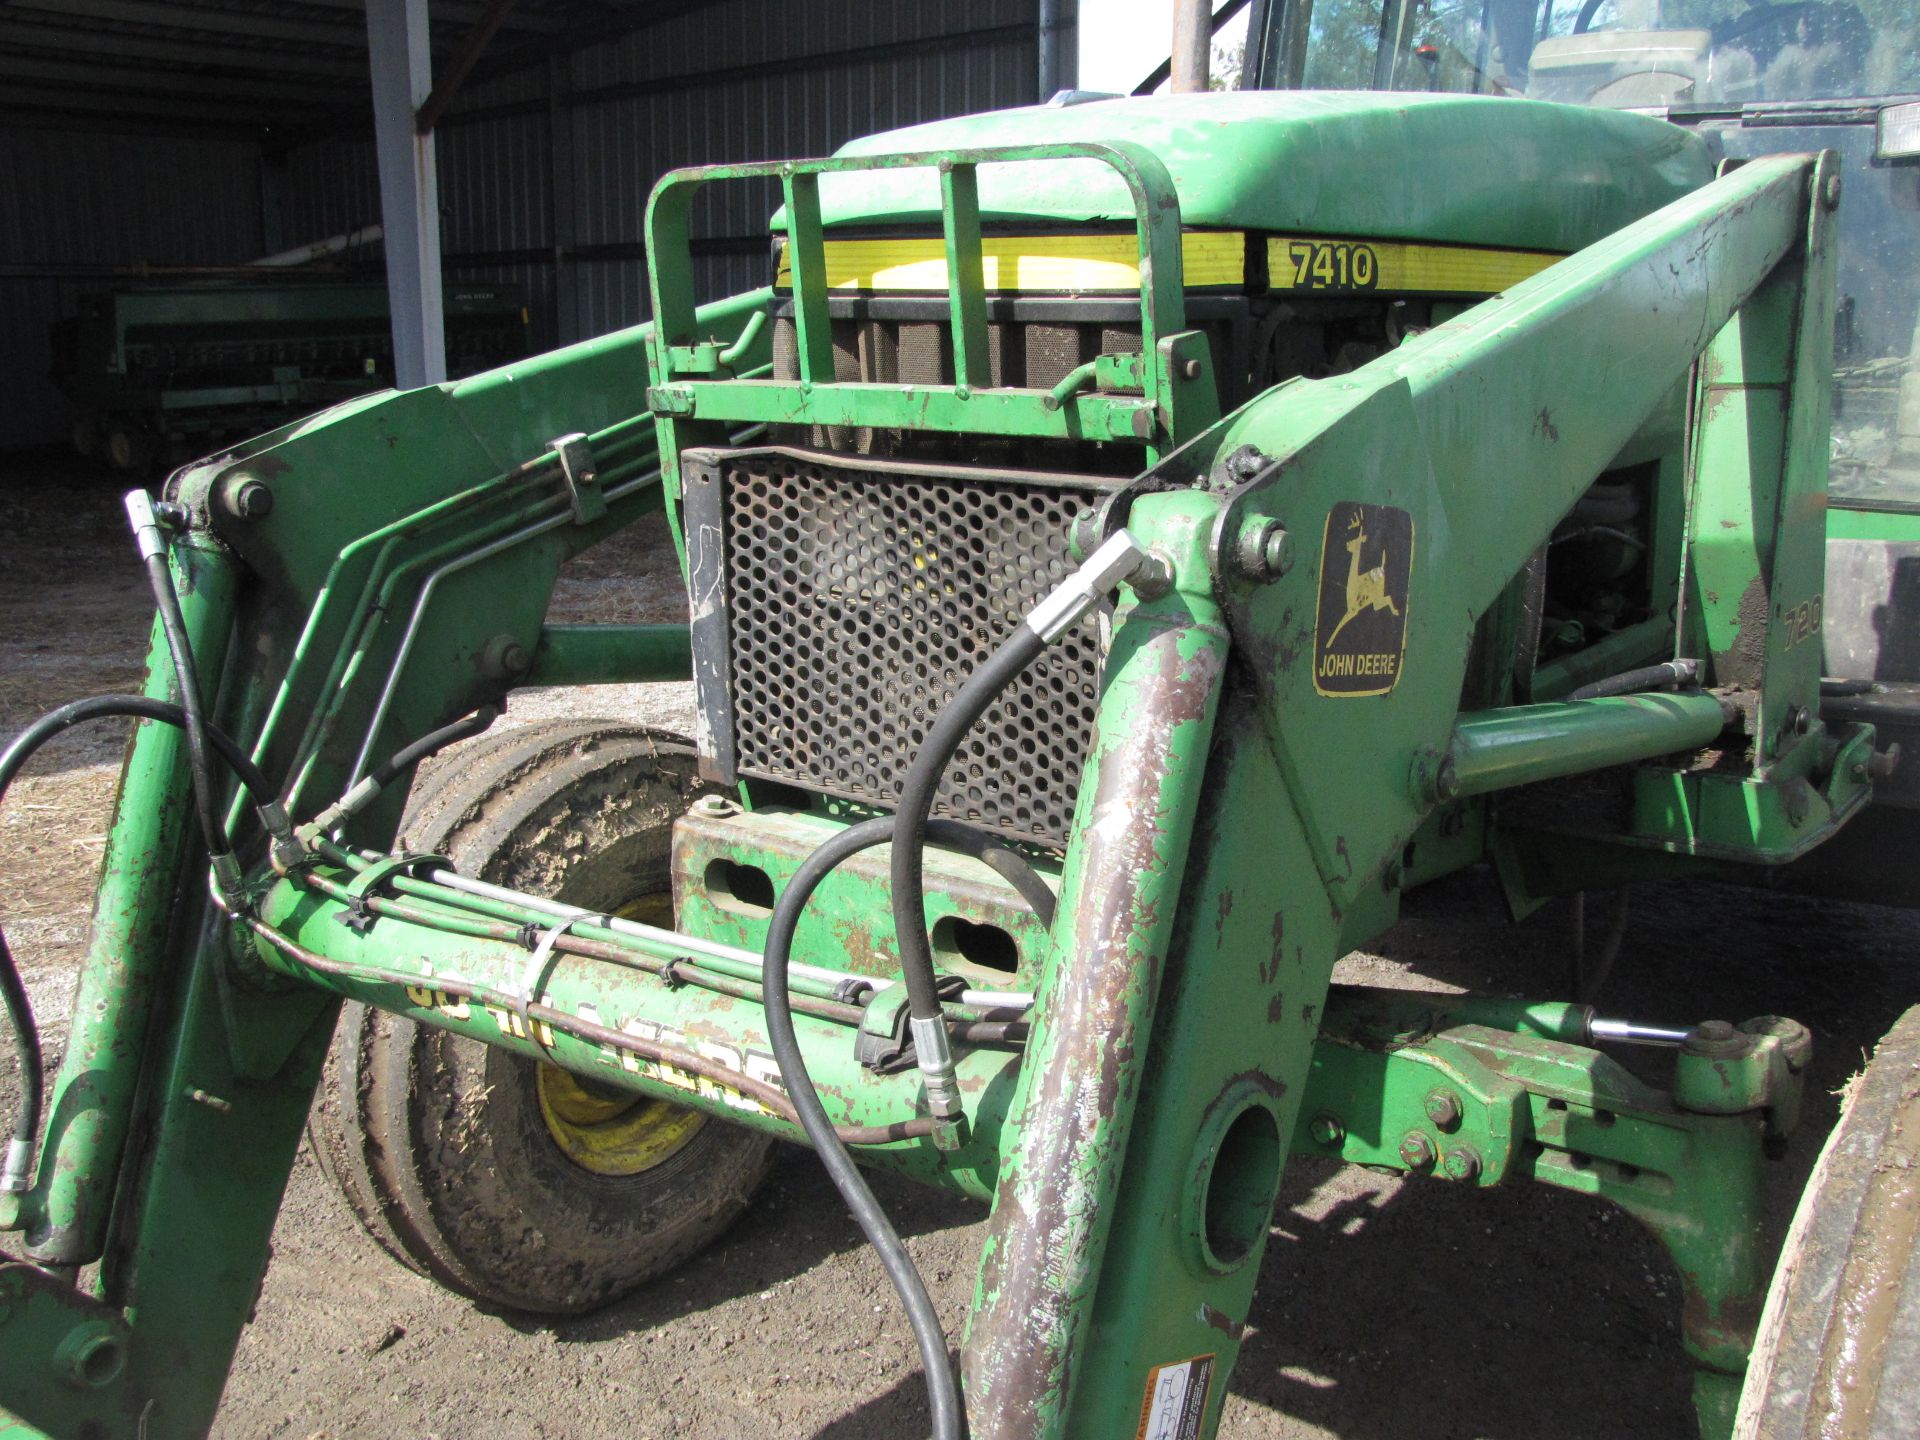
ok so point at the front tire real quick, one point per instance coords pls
(1837, 1356)
(505, 1179)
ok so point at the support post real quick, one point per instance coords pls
(402, 73)
(1058, 35)
(1192, 45)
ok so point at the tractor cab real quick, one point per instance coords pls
(1751, 79)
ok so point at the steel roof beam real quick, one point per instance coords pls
(206, 82)
(27, 38)
(345, 33)
(455, 74)
(444, 10)
(249, 117)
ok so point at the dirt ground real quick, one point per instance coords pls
(1386, 1309)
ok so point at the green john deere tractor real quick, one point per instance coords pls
(1129, 543)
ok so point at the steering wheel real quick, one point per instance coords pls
(1766, 29)
(1761, 14)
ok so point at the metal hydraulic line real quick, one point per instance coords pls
(419, 969)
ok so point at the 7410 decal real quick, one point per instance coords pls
(1333, 265)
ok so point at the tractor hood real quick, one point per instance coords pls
(1467, 169)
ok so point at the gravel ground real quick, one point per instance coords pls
(1386, 1308)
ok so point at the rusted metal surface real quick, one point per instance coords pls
(1087, 1057)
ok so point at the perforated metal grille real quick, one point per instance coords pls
(859, 600)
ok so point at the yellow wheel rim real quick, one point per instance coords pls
(609, 1131)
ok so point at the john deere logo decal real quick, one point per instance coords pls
(1361, 634)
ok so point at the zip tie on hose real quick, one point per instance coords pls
(539, 970)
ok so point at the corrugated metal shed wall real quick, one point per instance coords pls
(75, 202)
(566, 157)
(562, 156)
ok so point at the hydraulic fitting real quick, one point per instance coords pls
(1116, 559)
(933, 1053)
(19, 1161)
(147, 534)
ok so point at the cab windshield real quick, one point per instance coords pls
(1616, 53)
(1751, 78)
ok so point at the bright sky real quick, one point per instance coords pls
(1122, 40)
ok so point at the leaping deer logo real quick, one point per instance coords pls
(1366, 589)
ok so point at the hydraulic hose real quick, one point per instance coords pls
(362, 794)
(173, 625)
(1063, 608)
(909, 828)
(138, 707)
(949, 1419)
(1664, 676)
(18, 1163)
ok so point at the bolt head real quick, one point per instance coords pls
(1716, 1040)
(1274, 551)
(1443, 1109)
(1416, 1150)
(1326, 1130)
(1446, 779)
(1190, 370)
(1261, 554)
(1462, 1164)
(1830, 192)
(245, 497)
(1154, 578)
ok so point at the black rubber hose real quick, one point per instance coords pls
(943, 1390)
(187, 679)
(1663, 676)
(404, 759)
(26, 1039)
(916, 800)
(1008, 863)
(13, 990)
(949, 1415)
(139, 707)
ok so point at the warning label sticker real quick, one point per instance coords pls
(1176, 1400)
(1366, 561)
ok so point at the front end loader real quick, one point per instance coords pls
(1128, 545)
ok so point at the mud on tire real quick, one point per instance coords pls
(1838, 1352)
(440, 1144)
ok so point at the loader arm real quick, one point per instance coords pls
(1273, 740)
